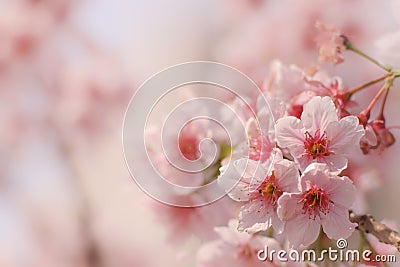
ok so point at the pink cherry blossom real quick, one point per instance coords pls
(261, 189)
(258, 146)
(294, 87)
(319, 136)
(324, 201)
(330, 42)
(235, 249)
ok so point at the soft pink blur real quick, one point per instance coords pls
(67, 71)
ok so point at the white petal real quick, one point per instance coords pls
(318, 113)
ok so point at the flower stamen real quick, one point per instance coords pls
(316, 201)
(270, 190)
(316, 146)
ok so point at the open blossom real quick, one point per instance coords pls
(330, 42)
(291, 87)
(258, 146)
(261, 189)
(324, 200)
(235, 249)
(319, 136)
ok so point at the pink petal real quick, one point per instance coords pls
(253, 127)
(318, 113)
(335, 163)
(276, 104)
(232, 183)
(303, 162)
(289, 132)
(277, 224)
(266, 120)
(287, 176)
(344, 135)
(287, 206)
(336, 223)
(370, 136)
(252, 171)
(342, 191)
(302, 231)
(316, 173)
(255, 216)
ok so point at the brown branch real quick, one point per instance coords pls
(367, 224)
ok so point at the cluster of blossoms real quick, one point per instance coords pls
(292, 178)
(302, 190)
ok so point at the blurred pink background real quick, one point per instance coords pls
(67, 71)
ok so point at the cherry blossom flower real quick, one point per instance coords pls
(330, 42)
(324, 201)
(235, 249)
(319, 136)
(259, 147)
(261, 188)
(294, 87)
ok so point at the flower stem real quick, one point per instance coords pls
(385, 88)
(377, 96)
(351, 47)
(365, 85)
(380, 115)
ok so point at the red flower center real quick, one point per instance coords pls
(269, 190)
(316, 200)
(316, 146)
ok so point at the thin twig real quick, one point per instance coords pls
(351, 47)
(367, 224)
(363, 86)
